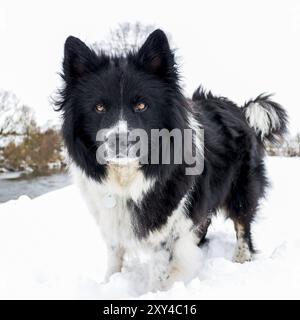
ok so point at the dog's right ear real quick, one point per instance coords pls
(79, 59)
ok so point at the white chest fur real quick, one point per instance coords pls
(107, 201)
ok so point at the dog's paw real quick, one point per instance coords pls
(242, 253)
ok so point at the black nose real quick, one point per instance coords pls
(119, 144)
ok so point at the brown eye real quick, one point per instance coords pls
(100, 108)
(139, 107)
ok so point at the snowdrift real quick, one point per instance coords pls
(50, 248)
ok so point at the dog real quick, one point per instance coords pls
(156, 207)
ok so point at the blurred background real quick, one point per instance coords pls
(238, 49)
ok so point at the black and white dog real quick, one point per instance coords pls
(156, 206)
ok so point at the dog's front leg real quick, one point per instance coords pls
(115, 255)
(159, 269)
(176, 259)
(166, 268)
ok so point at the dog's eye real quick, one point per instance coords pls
(100, 108)
(140, 107)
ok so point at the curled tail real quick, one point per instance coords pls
(267, 118)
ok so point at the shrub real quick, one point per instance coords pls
(39, 151)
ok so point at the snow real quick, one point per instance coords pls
(6, 140)
(52, 124)
(50, 247)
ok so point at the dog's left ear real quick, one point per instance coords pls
(155, 56)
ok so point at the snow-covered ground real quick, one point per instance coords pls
(50, 248)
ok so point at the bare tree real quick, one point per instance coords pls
(126, 37)
(16, 117)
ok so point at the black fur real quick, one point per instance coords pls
(234, 176)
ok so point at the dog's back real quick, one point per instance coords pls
(234, 175)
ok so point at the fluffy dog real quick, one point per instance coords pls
(155, 206)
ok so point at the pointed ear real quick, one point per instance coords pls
(155, 56)
(79, 59)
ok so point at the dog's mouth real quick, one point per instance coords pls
(123, 161)
(118, 154)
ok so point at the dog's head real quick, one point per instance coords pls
(139, 90)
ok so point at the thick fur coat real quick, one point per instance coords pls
(158, 208)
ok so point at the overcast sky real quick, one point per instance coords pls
(234, 48)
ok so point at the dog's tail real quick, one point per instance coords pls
(267, 118)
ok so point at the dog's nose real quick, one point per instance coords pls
(118, 144)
